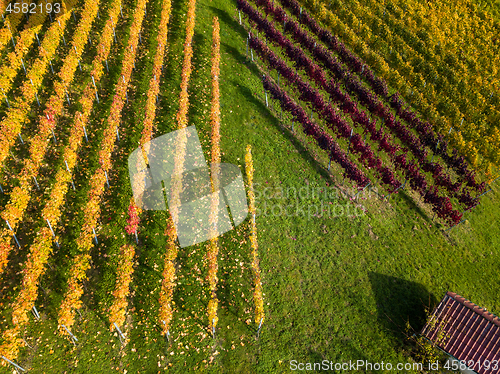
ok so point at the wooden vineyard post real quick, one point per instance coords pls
(24, 68)
(6, 99)
(349, 146)
(69, 172)
(348, 151)
(53, 234)
(53, 136)
(85, 132)
(435, 150)
(260, 325)
(35, 312)
(15, 238)
(95, 236)
(106, 175)
(167, 334)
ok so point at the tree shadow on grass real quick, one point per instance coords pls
(411, 203)
(400, 301)
(289, 135)
(238, 56)
(231, 23)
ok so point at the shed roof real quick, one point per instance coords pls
(466, 331)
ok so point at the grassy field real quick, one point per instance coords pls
(338, 286)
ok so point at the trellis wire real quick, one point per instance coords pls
(16, 366)
(449, 228)
(120, 334)
(390, 193)
(73, 337)
(362, 189)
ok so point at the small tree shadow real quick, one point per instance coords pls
(291, 137)
(231, 23)
(401, 302)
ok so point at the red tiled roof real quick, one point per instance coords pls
(471, 333)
